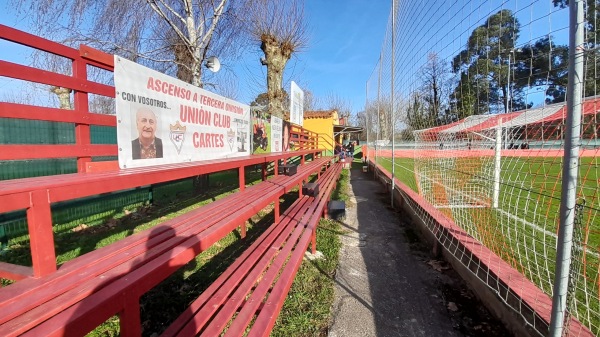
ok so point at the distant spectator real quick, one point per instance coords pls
(337, 149)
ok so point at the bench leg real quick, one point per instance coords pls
(41, 237)
(276, 167)
(243, 230)
(130, 321)
(277, 211)
(313, 240)
(264, 171)
(242, 178)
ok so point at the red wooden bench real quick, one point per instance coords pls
(37, 194)
(88, 290)
(255, 286)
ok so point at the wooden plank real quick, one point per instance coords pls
(23, 152)
(106, 258)
(246, 267)
(15, 272)
(30, 74)
(266, 319)
(33, 112)
(84, 315)
(101, 166)
(34, 41)
(244, 316)
(97, 56)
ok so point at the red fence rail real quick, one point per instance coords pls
(82, 118)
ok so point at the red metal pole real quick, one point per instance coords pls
(242, 178)
(39, 222)
(82, 131)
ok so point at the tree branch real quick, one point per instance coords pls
(171, 24)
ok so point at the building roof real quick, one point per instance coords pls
(544, 114)
(319, 114)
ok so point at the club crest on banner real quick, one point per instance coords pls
(177, 135)
(231, 138)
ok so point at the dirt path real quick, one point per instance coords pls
(387, 283)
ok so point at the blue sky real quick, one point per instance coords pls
(343, 46)
(345, 41)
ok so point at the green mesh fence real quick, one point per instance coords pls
(20, 131)
(103, 134)
(67, 215)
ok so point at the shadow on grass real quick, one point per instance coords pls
(117, 225)
(165, 302)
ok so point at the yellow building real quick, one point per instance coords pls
(329, 126)
(321, 122)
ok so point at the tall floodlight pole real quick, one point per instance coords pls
(367, 124)
(506, 108)
(497, 164)
(378, 107)
(392, 97)
(570, 169)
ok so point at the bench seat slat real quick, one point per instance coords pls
(268, 315)
(299, 244)
(254, 258)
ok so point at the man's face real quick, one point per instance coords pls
(146, 124)
(286, 135)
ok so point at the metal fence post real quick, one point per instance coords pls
(393, 115)
(570, 168)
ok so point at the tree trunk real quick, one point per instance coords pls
(64, 97)
(276, 56)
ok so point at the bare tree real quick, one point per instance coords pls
(310, 101)
(280, 28)
(435, 89)
(342, 105)
(382, 120)
(168, 35)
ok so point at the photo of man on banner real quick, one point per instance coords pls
(146, 145)
(286, 134)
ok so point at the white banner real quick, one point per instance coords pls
(276, 132)
(162, 120)
(296, 104)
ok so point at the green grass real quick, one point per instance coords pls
(522, 230)
(306, 311)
